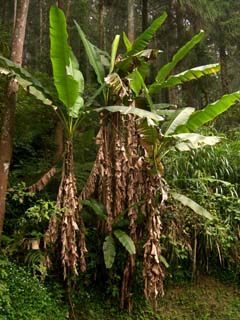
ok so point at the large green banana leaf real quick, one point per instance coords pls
(29, 84)
(180, 54)
(209, 113)
(93, 55)
(192, 205)
(132, 110)
(189, 141)
(67, 77)
(180, 119)
(185, 76)
(143, 40)
(22, 74)
(125, 240)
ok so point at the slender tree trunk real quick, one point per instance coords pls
(144, 14)
(131, 20)
(6, 140)
(14, 14)
(101, 24)
(224, 70)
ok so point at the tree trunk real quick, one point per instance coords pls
(224, 70)
(14, 14)
(131, 20)
(144, 14)
(101, 25)
(6, 140)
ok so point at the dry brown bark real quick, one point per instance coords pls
(122, 178)
(67, 224)
(6, 140)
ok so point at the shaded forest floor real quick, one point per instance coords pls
(207, 299)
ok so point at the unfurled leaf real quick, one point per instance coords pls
(114, 52)
(92, 54)
(109, 252)
(125, 240)
(192, 205)
(126, 41)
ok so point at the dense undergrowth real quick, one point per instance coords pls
(23, 296)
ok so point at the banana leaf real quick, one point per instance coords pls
(192, 205)
(180, 119)
(189, 141)
(67, 78)
(125, 240)
(37, 91)
(23, 74)
(209, 113)
(143, 40)
(126, 41)
(115, 45)
(109, 252)
(132, 110)
(180, 54)
(185, 76)
(93, 55)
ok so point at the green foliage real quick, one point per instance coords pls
(179, 55)
(143, 40)
(109, 251)
(192, 204)
(210, 112)
(125, 240)
(93, 55)
(67, 77)
(23, 297)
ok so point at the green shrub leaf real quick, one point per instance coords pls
(109, 252)
(125, 240)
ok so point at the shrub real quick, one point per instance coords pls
(22, 296)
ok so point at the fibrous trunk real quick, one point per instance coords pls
(67, 222)
(123, 180)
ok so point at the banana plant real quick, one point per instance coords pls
(109, 244)
(126, 76)
(69, 84)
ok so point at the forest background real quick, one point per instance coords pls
(191, 244)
